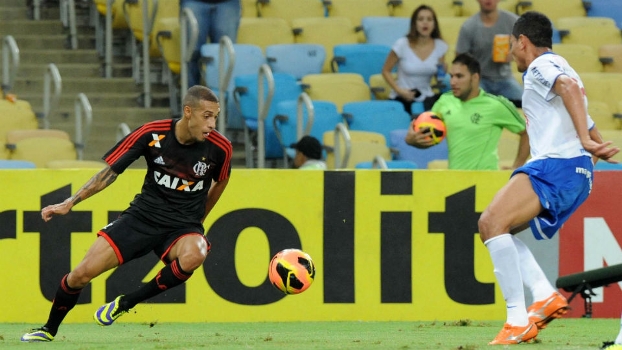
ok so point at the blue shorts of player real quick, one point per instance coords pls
(562, 186)
(131, 238)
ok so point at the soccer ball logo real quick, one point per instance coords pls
(291, 271)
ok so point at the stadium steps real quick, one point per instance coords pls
(113, 101)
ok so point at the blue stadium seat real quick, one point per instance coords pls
(296, 59)
(16, 164)
(391, 164)
(605, 8)
(325, 118)
(385, 30)
(602, 165)
(364, 59)
(381, 116)
(248, 59)
(420, 156)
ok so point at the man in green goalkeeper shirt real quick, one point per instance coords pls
(474, 120)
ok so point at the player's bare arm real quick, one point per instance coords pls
(523, 150)
(419, 139)
(213, 195)
(570, 92)
(97, 183)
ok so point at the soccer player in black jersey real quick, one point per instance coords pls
(188, 168)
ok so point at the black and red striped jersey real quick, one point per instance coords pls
(178, 176)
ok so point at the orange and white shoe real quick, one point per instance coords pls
(515, 334)
(544, 311)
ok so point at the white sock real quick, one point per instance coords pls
(619, 338)
(505, 261)
(531, 272)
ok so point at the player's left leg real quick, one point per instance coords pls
(515, 204)
(186, 255)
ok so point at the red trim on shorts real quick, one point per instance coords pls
(163, 257)
(117, 252)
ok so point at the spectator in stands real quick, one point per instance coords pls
(474, 120)
(308, 154)
(417, 56)
(216, 18)
(478, 36)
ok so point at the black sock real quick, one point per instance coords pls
(170, 276)
(64, 300)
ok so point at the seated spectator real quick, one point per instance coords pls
(474, 120)
(308, 154)
(417, 56)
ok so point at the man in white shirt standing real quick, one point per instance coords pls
(544, 192)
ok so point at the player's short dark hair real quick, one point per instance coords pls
(199, 93)
(536, 27)
(469, 61)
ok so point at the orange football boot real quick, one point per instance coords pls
(544, 311)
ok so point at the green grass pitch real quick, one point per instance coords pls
(463, 334)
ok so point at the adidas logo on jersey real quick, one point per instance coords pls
(159, 160)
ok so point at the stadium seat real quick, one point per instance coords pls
(296, 59)
(16, 115)
(603, 87)
(592, 31)
(602, 165)
(248, 59)
(264, 32)
(450, 29)
(339, 88)
(385, 30)
(469, 7)
(422, 157)
(379, 87)
(40, 146)
(582, 58)
(364, 59)
(610, 56)
(290, 10)
(605, 8)
(325, 118)
(118, 23)
(75, 164)
(554, 9)
(361, 145)
(16, 164)
(602, 115)
(380, 163)
(355, 11)
(379, 116)
(442, 8)
(286, 88)
(507, 148)
(249, 8)
(327, 31)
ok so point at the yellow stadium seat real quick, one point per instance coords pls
(118, 20)
(592, 31)
(134, 14)
(450, 29)
(582, 58)
(355, 10)
(603, 87)
(40, 146)
(264, 32)
(438, 164)
(363, 144)
(442, 8)
(471, 7)
(326, 31)
(379, 87)
(75, 164)
(507, 148)
(602, 115)
(15, 116)
(610, 56)
(249, 8)
(339, 88)
(553, 9)
(290, 10)
(168, 41)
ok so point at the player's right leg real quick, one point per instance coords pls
(98, 259)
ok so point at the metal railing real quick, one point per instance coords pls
(51, 76)
(188, 25)
(341, 132)
(122, 130)
(224, 77)
(84, 119)
(263, 107)
(10, 62)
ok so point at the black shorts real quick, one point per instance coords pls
(131, 238)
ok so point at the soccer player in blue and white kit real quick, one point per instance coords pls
(545, 191)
